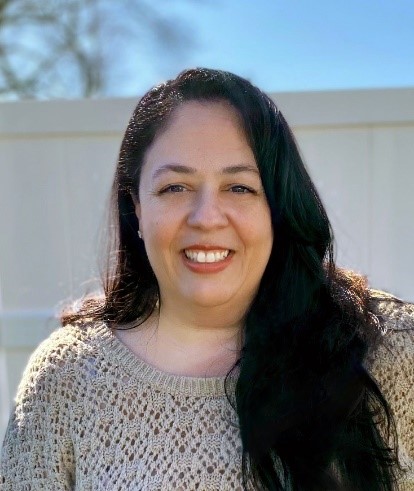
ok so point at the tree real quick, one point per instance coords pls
(81, 48)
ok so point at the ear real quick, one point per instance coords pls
(137, 206)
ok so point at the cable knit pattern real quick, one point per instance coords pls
(90, 415)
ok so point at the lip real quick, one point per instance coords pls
(207, 268)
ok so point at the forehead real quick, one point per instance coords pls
(197, 132)
(203, 112)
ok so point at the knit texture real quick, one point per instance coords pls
(90, 415)
(393, 368)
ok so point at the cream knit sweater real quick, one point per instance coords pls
(90, 415)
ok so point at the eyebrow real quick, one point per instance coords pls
(184, 169)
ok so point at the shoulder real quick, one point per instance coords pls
(64, 345)
(392, 365)
(395, 318)
(393, 313)
(392, 362)
(60, 356)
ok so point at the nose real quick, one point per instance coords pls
(207, 212)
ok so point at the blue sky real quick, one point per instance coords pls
(280, 45)
(297, 44)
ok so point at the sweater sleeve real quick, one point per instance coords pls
(393, 368)
(37, 452)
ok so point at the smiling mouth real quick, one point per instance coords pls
(206, 256)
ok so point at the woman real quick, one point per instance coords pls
(227, 352)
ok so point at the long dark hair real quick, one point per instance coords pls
(311, 416)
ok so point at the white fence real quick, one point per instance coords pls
(56, 164)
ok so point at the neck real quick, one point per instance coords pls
(189, 345)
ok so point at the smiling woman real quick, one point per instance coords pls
(227, 351)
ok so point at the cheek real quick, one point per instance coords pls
(261, 236)
(159, 235)
(256, 226)
(149, 215)
(164, 219)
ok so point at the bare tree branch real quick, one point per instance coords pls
(69, 48)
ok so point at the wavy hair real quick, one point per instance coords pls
(311, 416)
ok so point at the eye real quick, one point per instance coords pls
(241, 189)
(173, 188)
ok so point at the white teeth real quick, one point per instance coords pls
(209, 257)
(201, 257)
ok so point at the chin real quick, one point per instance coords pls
(208, 299)
(232, 299)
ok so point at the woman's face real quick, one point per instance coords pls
(203, 214)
